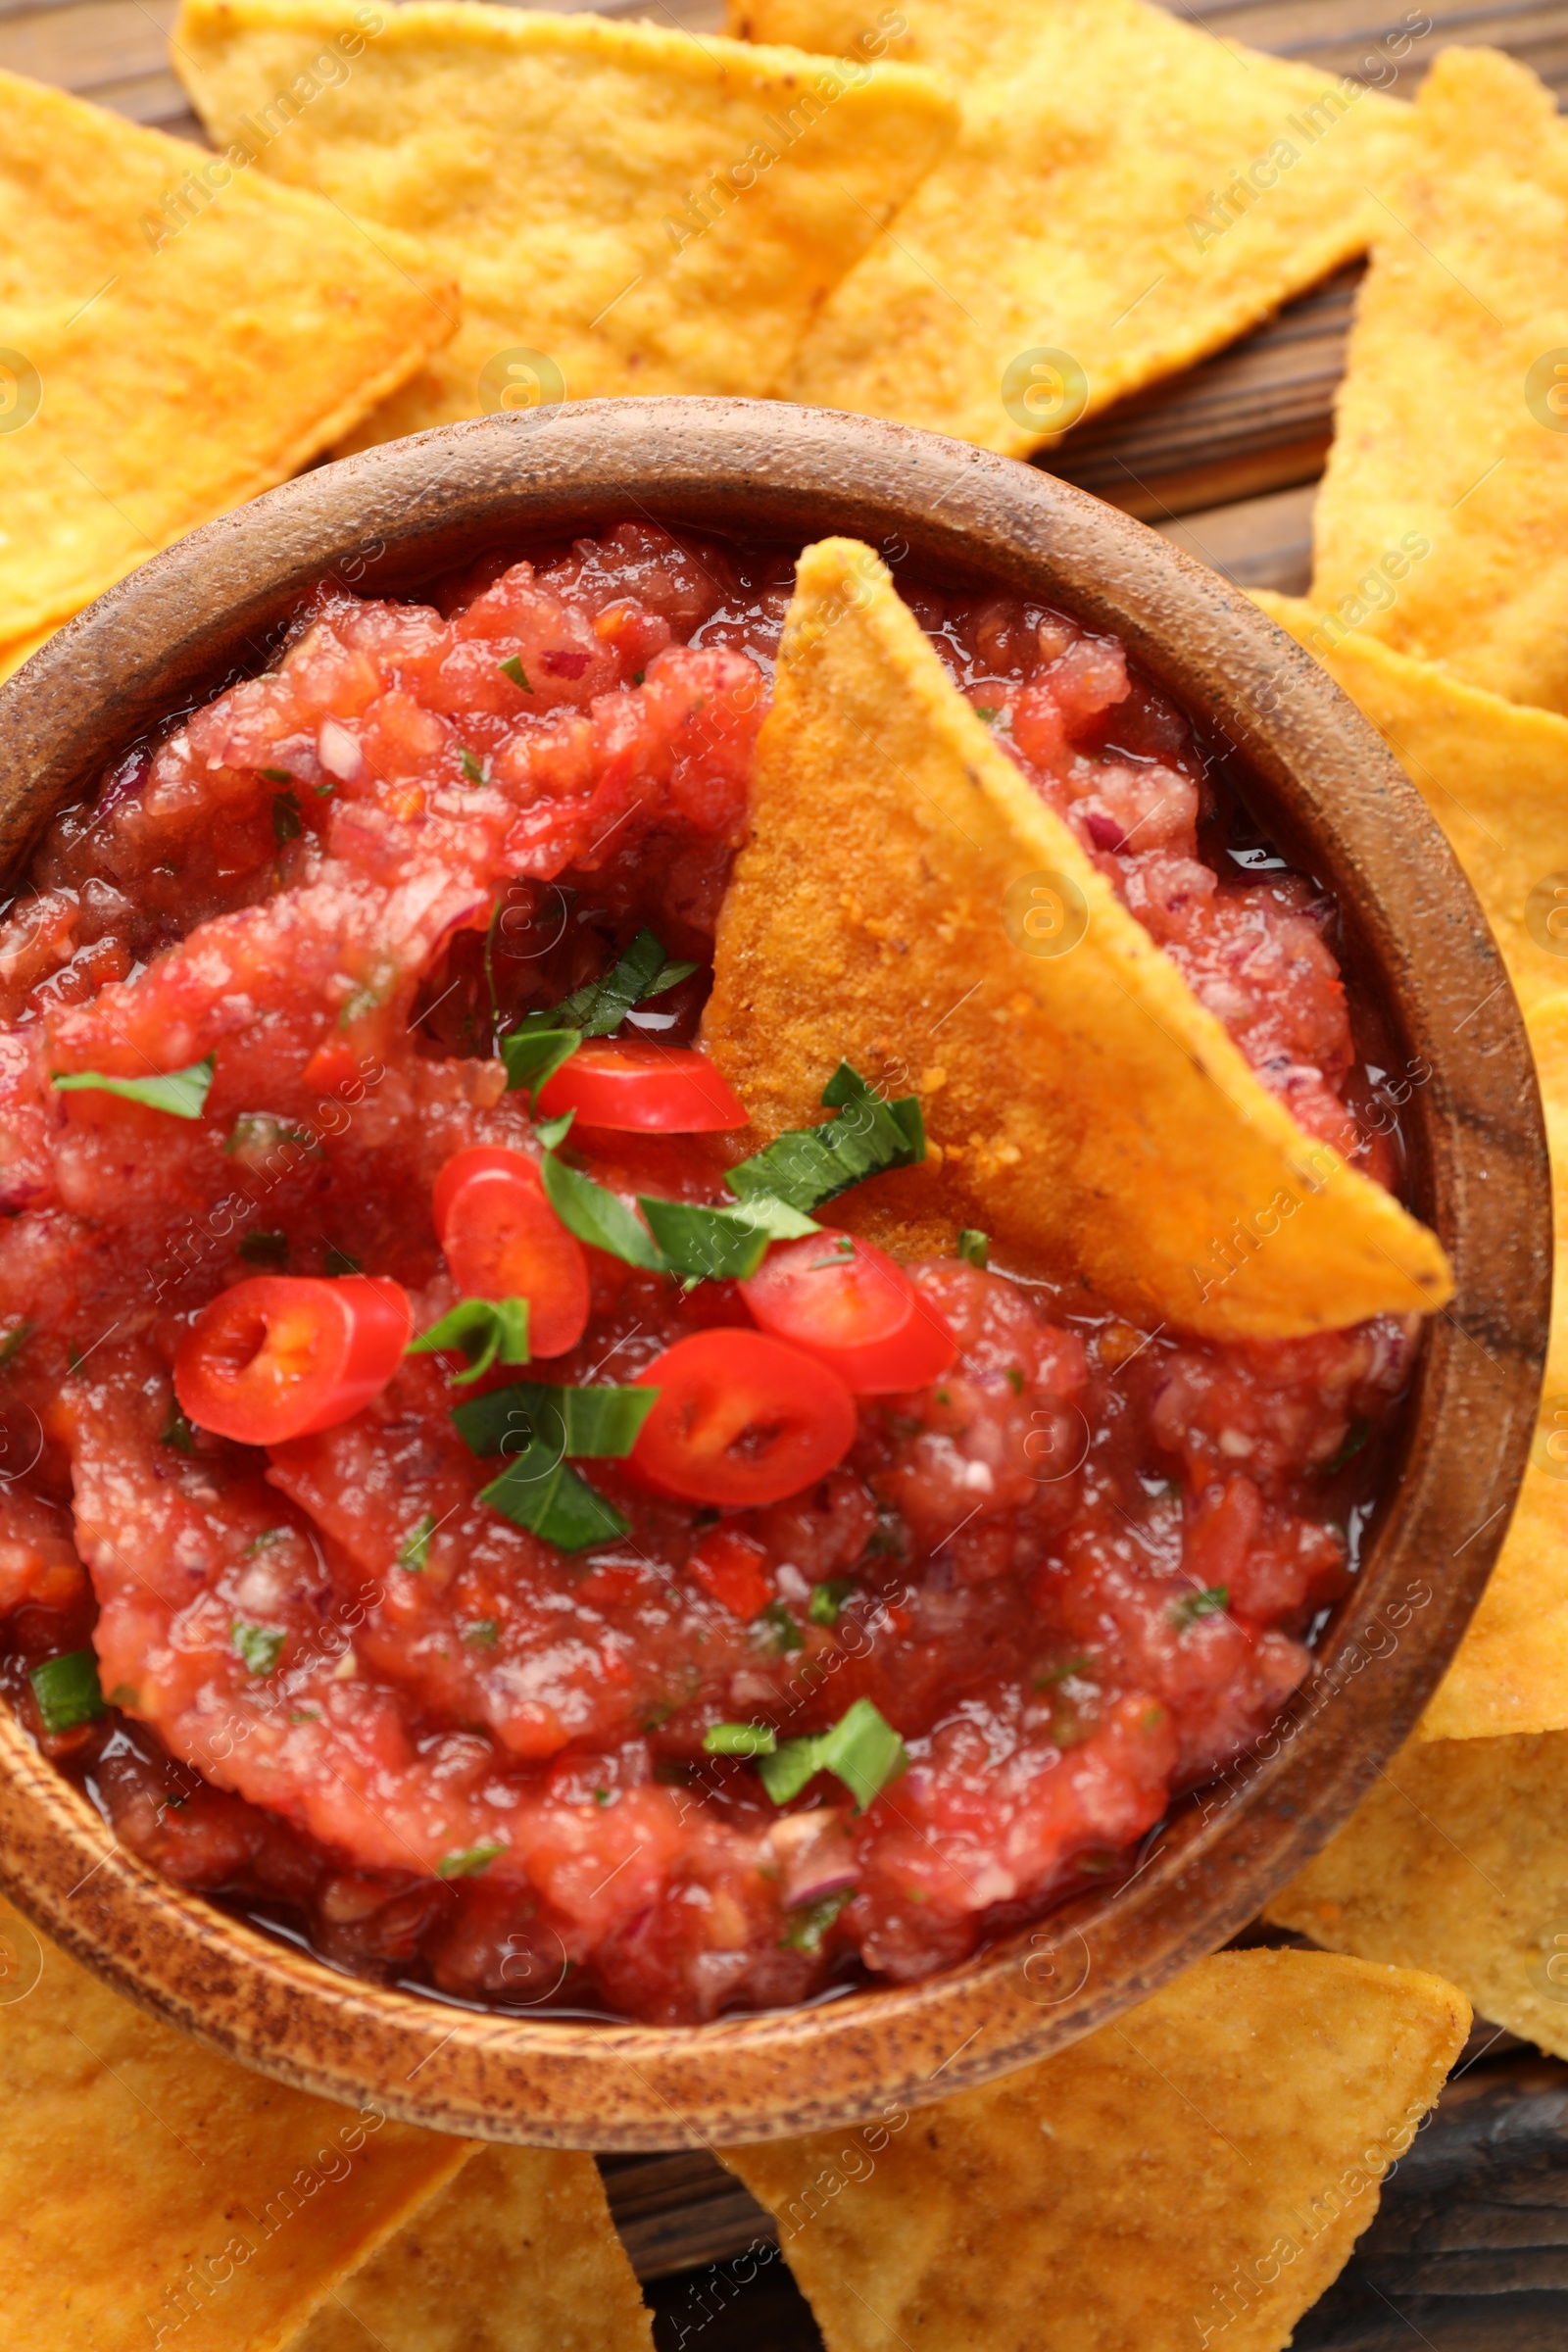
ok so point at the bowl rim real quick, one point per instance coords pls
(384, 519)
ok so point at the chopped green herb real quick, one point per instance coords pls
(288, 824)
(535, 1422)
(863, 1750)
(483, 1331)
(601, 1797)
(305, 1714)
(534, 1051)
(178, 1432)
(599, 1216)
(259, 1646)
(182, 1093)
(716, 1245)
(469, 1863)
(259, 1249)
(809, 1165)
(1212, 1602)
(1015, 1379)
(1059, 1674)
(739, 1740)
(1356, 1437)
(827, 1600)
(778, 1628)
(484, 1633)
(256, 1134)
(14, 1342)
(886, 1542)
(806, 1923)
(338, 1261)
(544, 1040)
(473, 769)
(559, 1507)
(73, 1357)
(277, 775)
(974, 1245)
(67, 1690)
(268, 1536)
(989, 711)
(415, 1550)
(637, 677)
(514, 670)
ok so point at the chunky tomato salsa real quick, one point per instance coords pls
(462, 1510)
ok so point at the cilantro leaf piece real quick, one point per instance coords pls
(469, 1863)
(545, 1039)
(809, 1165)
(14, 1341)
(473, 769)
(178, 1432)
(805, 1923)
(559, 1507)
(288, 821)
(863, 1750)
(1356, 1437)
(778, 1629)
(826, 1604)
(259, 1646)
(739, 1740)
(415, 1550)
(338, 1261)
(514, 670)
(670, 976)
(277, 775)
(1212, 1602)
(483, 1331)
(535, 1051)
(975, 1245)
(597, 1216)
(719, 1244)
(540, 1421)
(67, 1690)
(182, 1093)
(259, 1248)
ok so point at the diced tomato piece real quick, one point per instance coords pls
(282, 1356)
(740, 1419)
(854, 1309)
(731, 1567)
(637, 1084)
(503, 1240)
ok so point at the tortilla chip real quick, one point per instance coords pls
(1450, 449)
(1127, 194)
(518, 2254)
(628, 209)
(1207, 2163)
(136, 305)
(155, 2193)
(1494, 773)
(1085, 1109)
(1458, 1861)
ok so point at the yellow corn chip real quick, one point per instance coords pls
(1084, 1107)
(628, 209)
(1452, 426)
(176, 335)
(1196, 2171)
(518, 2254)
(155, 2194)
(1126, 195)
(1458, 1861)
(1494, 773)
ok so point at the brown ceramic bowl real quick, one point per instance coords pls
(1422, 954)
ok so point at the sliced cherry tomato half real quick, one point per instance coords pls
(282, 1355)
(637, 1085)
(740, 1418)
(503, 1240)
(853, 1309)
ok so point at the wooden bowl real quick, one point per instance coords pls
(1339, 807)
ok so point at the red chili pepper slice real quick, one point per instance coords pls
(282, 1355)
(854, 1309)
(740, 1419)
(637, 1085)
(503, 1240)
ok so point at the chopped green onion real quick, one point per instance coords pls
(975, 1247)
(514, 670)
(598, 1216)
(1356, 1437)
(806, 1923)
(809, 1165)
(14, 1340)
(716, 1244)
(288, 824)
(469, 1863)
(259, 1646)
(1212, 1602)
(827, 1600)
(483, 1331)
(538, 1422)
(182, 1093)
(863, 1750)
(415, 1550)
(259, 1249)
(556, 1505)
(740, 1740)
(67, 1690)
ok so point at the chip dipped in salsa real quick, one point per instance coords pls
(476, 1508)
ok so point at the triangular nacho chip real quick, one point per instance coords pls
(1085, 1108)
(1457, 1861)
(628, 209)
(1127, 194)
(1452, 448)
(1494, 773)
(518, 2254)
(176, 335)
(154, 2193)
(1196, 2173)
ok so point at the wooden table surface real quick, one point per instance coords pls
(1469, 2251)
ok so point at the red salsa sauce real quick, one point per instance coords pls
(920, 1589)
